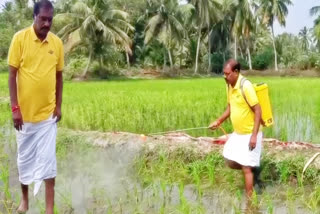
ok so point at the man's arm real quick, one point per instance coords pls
(221, 119)
(59, 86)
(257, 118)
(16, 114)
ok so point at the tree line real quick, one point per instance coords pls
(103, 35)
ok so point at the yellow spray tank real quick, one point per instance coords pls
(262, 92)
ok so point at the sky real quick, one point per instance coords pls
(297, 18)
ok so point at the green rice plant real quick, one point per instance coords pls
(163, 186)
(55, 210)
(213, 162)
(120, 204)
(313, 200)
(4, 176)
(66, 200)
(269, 203)
(184, 206)
(291, 197)
(109, 208)
(254, 200)
(196, 171)
(146, 106)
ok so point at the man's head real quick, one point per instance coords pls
(42, 15)
(231, 71)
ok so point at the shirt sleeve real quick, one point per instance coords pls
(14, 55)
(60, 64)
(250, 93)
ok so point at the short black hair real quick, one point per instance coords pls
(236, 67)
(41, 4)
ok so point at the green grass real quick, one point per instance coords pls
(182, 167)
(147, 106)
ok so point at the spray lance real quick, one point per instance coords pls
(144, 137)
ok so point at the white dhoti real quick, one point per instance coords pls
(37, 152)
(237, 149)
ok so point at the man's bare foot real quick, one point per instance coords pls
(23, 207)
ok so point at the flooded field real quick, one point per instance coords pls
(105, 173)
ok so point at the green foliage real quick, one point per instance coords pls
(75, 66)
(308, 61)
(244, 63)
(151, 55)
(6, 34)
(3, 65)
(288, 48)
(217, 62)
(171, 28)
(263, 59)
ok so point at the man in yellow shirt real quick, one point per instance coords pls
(243, 148)
(36, 60)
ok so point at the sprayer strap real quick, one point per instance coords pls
(242, 91)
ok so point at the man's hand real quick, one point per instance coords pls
(17, 120)
(57, 114)
(214, 125)
(253, 142)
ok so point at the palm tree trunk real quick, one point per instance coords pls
(170, 58)
(198, 49)
(101, 67)
(128, 59)
(87, 67)
(249, 58)
(235, 47)
(209, 50)
(275, 50)
(241, 53)
(100, 62)
(224, 56)
(164, 60)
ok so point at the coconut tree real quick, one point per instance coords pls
(304, 36)
(98, 25)
(243, 25)
(271, 10)
(207, 13)
(315, 11)
(165, 27)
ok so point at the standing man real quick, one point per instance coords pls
(243, 149)
(36, 60)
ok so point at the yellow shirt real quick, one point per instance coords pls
(37, 63)
(242, 117)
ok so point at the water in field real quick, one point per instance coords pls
(104, 180)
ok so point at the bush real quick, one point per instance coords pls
(101, 72)
(75, 67)
(307, 61)
(264, 59)
(3, 65)
(243, 63)
(217, 63)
